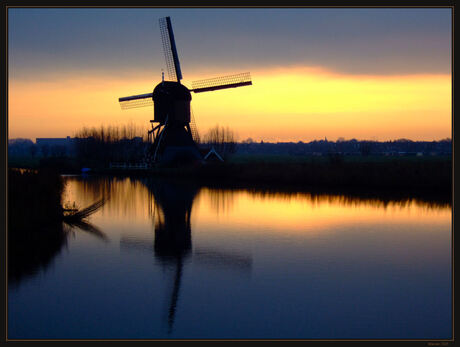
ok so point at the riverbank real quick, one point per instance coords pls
(401, 173)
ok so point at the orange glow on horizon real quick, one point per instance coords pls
(283, 104)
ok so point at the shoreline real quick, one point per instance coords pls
(435, 175)
(396, 177)
(383, 195)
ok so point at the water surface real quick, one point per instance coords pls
(173, 260)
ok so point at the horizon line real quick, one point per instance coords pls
(246, 141)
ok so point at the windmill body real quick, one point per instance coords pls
(171, 99)
(175, 136)
(173, 140)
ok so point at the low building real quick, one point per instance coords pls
(55, 146)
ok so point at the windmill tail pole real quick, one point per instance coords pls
(194, 129)
(159, 140)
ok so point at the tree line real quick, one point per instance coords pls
(100, 146)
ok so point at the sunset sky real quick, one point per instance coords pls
(375, 73)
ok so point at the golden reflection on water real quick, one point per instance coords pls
(128, 198)
(222, 199)
(308, 213)
(132, 199)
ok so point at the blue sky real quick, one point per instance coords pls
(359, 41)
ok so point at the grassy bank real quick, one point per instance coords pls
(396, 173)
(34, 197)
(410, 173)
(35, 230)
(282, 158)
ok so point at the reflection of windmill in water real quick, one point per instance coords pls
(176, 134)
(172, 246)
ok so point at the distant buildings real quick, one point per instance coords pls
(348, 147)
(53, 141)
(67, 146)
(45, 147)
(55, 146)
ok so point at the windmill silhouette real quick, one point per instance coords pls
(172, 245)
(175, 137)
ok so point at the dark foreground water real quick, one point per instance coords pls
(169, 260)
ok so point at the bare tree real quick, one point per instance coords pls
(110, 143)
(223, 139)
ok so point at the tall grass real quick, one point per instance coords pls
(37, 222)
(34, 196)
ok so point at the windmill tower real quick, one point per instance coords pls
(175, 136)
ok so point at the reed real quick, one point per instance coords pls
(74, 215)
(35, 198)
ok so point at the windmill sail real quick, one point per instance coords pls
(136, 101)
(224, 82)
(170, 51)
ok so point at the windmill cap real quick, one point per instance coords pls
(173, 90)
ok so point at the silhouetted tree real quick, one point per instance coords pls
(100, 146)
(223, 139)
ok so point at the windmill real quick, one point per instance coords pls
(175, 136)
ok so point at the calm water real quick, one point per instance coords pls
(167, 260)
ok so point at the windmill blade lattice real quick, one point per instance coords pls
(133, 101)
(230, 81)
(136, 103)
(169, 49)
